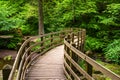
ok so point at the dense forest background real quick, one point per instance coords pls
(100, 18)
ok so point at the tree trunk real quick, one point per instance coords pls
(40, 13)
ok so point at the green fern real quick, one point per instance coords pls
(112, 51)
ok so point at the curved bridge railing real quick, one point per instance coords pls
(33, 48)
(79, 66)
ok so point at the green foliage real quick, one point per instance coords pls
(101, 19)
(17, 16)
(28, 14)
(7, 22)
(111, 16)
(93, 44)
(112, 51)
(13, 43)
(8, 58)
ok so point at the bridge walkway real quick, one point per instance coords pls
(49, 66)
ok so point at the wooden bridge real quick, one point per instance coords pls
(46, 58)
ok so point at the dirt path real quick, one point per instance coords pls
(4, 53)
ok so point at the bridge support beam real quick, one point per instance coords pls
(89, 67)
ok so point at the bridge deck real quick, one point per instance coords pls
(49, 66)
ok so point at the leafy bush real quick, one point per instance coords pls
(8, 58)
(7, 21)
(112, 51)
(111, 15)
(93, 44)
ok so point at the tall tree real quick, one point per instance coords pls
(40, 12)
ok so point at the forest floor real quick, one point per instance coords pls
(6, 57)
(113, 67)
(99, 57)
(4, 53)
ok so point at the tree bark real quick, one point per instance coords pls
(40, 14)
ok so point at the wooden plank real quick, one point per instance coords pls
(45, 73)
(41, 65)
(48, 66)
(44, 78)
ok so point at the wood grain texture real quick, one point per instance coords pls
(49, 66)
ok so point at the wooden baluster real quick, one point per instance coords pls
(68, 38)
(78, 42)
(88, 66)
(42, 44)
(65, 48)
(79, 60)
(29, 52)
(74, 56)
(27, 46)
(71, 54)
(84, 35)
(73, 37)
(83, 39)
(62, 35)
(51, 39)
(68, 52)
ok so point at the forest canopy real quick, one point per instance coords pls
(100, 18)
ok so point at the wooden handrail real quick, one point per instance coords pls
(6, 36)
(27, 54)
(74, 55)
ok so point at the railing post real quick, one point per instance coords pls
(68, 38)
(42, 43)
(27, 46)
(83, 34)
(71, 53)
(81, 41)
(51, 39)
(88, 66)
(68, 52)
(61, 36)
(78, 42)
(29, 52)
(6, 71)
(73, 37)
(74, 57)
